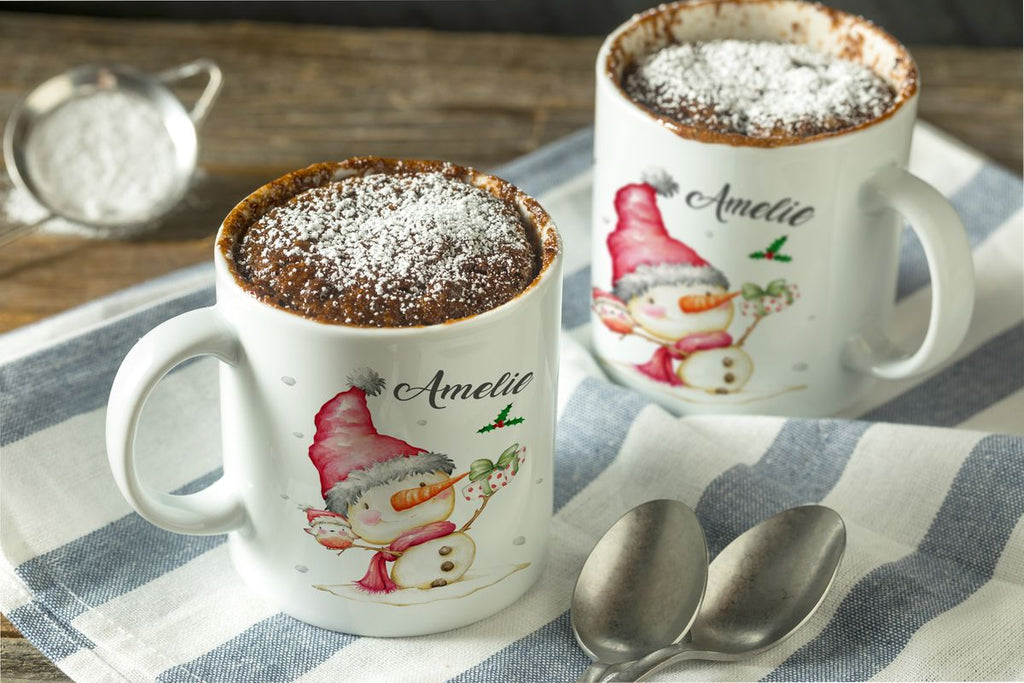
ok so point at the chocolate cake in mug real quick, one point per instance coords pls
(759, 89)
(399, 244)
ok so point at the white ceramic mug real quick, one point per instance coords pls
(803, 233)
(341, 443)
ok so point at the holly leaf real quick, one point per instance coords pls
(514, 421)
(485, 429)
(757, 255)
(783, 258)
(777, 244)
(504, 413)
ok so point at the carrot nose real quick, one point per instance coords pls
(697, 303)
(407, 498)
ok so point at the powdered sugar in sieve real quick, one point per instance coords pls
(103, 148)
(105, 157)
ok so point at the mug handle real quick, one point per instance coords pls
(950, 263)
(215, 79)
(214, 510)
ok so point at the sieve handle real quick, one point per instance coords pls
(214, 81)
(14, 232)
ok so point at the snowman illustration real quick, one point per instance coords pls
(394, 499)
(665, 293)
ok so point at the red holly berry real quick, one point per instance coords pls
(769, 255)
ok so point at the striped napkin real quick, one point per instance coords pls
(928, 474)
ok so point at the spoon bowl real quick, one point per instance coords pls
(641, 586)
(761, 588)
(765, 585)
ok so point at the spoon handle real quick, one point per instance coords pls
(593, 673)
(639, 669)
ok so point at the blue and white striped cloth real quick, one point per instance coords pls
(928, 474)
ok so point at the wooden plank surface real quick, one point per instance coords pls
(297, 95)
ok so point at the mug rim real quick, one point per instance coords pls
(281, 189)
(611, 57)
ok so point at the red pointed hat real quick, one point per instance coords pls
(644, 255)
(353, 457)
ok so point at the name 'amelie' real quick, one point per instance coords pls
(784, 211)
(438, 391)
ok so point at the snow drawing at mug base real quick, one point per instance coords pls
(664, 293)
(394, 501)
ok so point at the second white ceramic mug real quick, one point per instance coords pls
(746, 276)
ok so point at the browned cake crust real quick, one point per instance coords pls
(383, 243)
(757, 89)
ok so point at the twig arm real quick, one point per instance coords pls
(465, 527)
(749, 330)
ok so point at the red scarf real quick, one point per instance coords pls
(659, 367)
(377, 579)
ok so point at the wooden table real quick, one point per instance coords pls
(297, 95)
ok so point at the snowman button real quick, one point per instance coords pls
(447, 566)
(437, 583)
(729, 378)
(727, 362)
(444, 550)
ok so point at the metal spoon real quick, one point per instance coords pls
(761, 588)
(641, 586)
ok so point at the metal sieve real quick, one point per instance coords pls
(86, 80)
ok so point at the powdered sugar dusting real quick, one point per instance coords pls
(388, 250)
(103, 157)
(758, 89)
